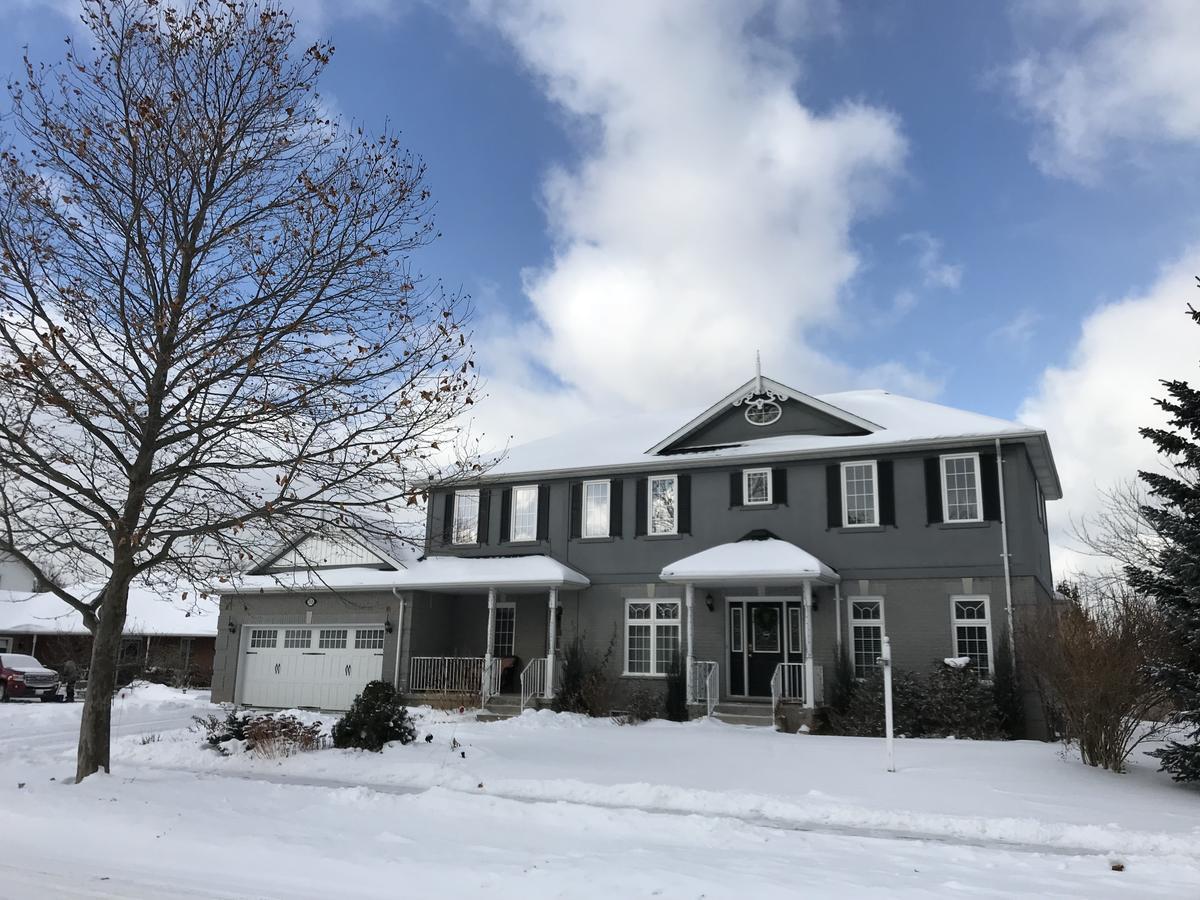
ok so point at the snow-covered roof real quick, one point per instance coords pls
(178, 612)
(900, 423)
(446, 573)
(770, 561)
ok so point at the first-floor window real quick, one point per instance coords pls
(651, 636)
(466, 517)
(505, 632)
(866, 634)
(595, 509)
(796, 630)
(973, 633)
(735, 629)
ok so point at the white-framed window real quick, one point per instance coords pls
(297, 638)
(860, 493)
(466, 517)
(795, 617)
(651, 636)
(866, 633)
(504, 634)
(368, 638)
(756, 487)
(263, 638)
(524, 513)
(596, 506)
(332, 639)
(960, 488)
(973, 632)
(735, 629)
(663, 498)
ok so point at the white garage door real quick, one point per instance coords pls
(322, 667)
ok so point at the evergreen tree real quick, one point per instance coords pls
(1172, 574)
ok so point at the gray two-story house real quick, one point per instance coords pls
(754, 542)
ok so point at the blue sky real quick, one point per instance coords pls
(989, 205)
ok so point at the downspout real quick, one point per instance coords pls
(1008, 603)
(399, 635)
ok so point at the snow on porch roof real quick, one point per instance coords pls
(749, 562)
(434, 573)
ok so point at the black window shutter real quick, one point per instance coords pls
(933, 489)
(448, 518)
(989, 482)
(779, 486)
(576, 509)
(543, 519)
(887, 493)
(485, 515)
(505, 516)
(616, 506)
(640, 512)
(685, 504)
(833, 495)
(735, 488)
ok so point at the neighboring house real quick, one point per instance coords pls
(755, 540)
(15, 575)
(172, 632)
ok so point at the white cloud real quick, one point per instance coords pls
(935, 271)
(1093, 405)
(1098, 74)
(710, 213)
(1018, 330)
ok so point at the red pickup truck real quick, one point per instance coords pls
(24, 676)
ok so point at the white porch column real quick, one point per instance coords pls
(689, 593)
(550, 640)
(486, 686)
(809, 679)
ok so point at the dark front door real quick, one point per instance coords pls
(764, 646)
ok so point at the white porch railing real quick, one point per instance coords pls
(787, 683)
(706, 684)
(533, 681)
(446, 674)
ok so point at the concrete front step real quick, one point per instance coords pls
(745, 714)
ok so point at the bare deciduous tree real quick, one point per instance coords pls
(209, 326)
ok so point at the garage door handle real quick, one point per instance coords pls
(276, 668)
(347, 669)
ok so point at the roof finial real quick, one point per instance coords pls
(758, 372)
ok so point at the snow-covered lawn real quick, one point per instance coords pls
(547, 806)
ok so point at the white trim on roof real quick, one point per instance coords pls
(757, 385)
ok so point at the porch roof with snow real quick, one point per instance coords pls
(433, 573)
(769, 561)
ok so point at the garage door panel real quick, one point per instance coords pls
(321, 666)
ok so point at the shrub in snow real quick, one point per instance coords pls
(1090, 659)
(863, 712)
(676, 705)
(643, 704)
(218, 731)
(956, 703)
(1010, 709)
(585, 686)
(375, 718)
(841, 686)
(277, 736)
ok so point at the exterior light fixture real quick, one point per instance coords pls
(709, 602)
(232, 627)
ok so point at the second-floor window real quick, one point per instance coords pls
(756, 487)
(596, 509)
(466, 517)
(664, 504)
(960, 488)
(860, 494)
(524, 513)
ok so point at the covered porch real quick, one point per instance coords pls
(483, 627)
(767, 598)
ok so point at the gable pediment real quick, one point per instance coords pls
(758, 409)
(328, 551)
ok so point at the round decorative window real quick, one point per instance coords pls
(763, 412)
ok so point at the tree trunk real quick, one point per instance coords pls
(94, 733)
